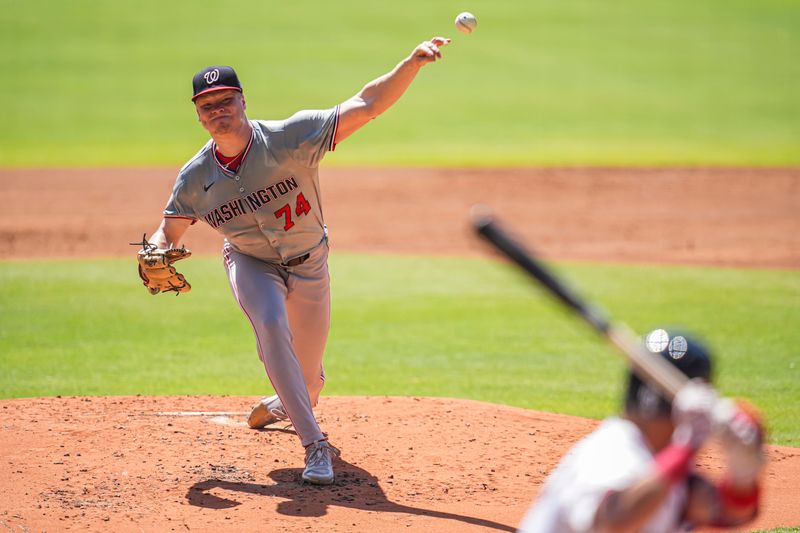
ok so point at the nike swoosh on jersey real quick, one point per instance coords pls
(206, 187)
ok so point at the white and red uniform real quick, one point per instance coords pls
(267, 204)
(609, 459)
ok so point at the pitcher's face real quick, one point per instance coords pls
(221, 112)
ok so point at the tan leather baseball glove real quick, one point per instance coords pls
(157, 272)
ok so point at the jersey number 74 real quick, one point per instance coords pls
(302, 207)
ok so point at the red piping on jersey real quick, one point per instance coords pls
(231, 163)
(246, 151)
(194, 220)
(335, 130)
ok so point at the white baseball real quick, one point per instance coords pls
(466, 22)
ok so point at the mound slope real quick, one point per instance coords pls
(190, 463)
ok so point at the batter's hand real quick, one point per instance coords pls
(429, 51)
(742, 435)
(692, 411)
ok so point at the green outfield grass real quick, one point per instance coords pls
(664, 82)
(467, 328)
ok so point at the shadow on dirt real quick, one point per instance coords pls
(354, 488)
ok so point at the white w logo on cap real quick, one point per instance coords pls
(211, 76)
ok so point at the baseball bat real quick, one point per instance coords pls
(648, 366)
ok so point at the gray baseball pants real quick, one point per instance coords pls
(289, 309)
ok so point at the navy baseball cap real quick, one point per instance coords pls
(216, 78)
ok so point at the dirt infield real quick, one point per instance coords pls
(409, 464)
(735, 217)
(190, 464)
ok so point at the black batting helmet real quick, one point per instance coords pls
(679, 348)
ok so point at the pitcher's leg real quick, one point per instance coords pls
(309, 309)
(261, 292)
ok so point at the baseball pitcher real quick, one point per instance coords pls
(257, 183)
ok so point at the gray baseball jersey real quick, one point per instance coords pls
(269, 211)
(270, 208)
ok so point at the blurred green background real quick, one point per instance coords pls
(549, 82)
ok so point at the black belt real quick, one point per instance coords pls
(296, 261)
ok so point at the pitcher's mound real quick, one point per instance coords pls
(190, 463)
